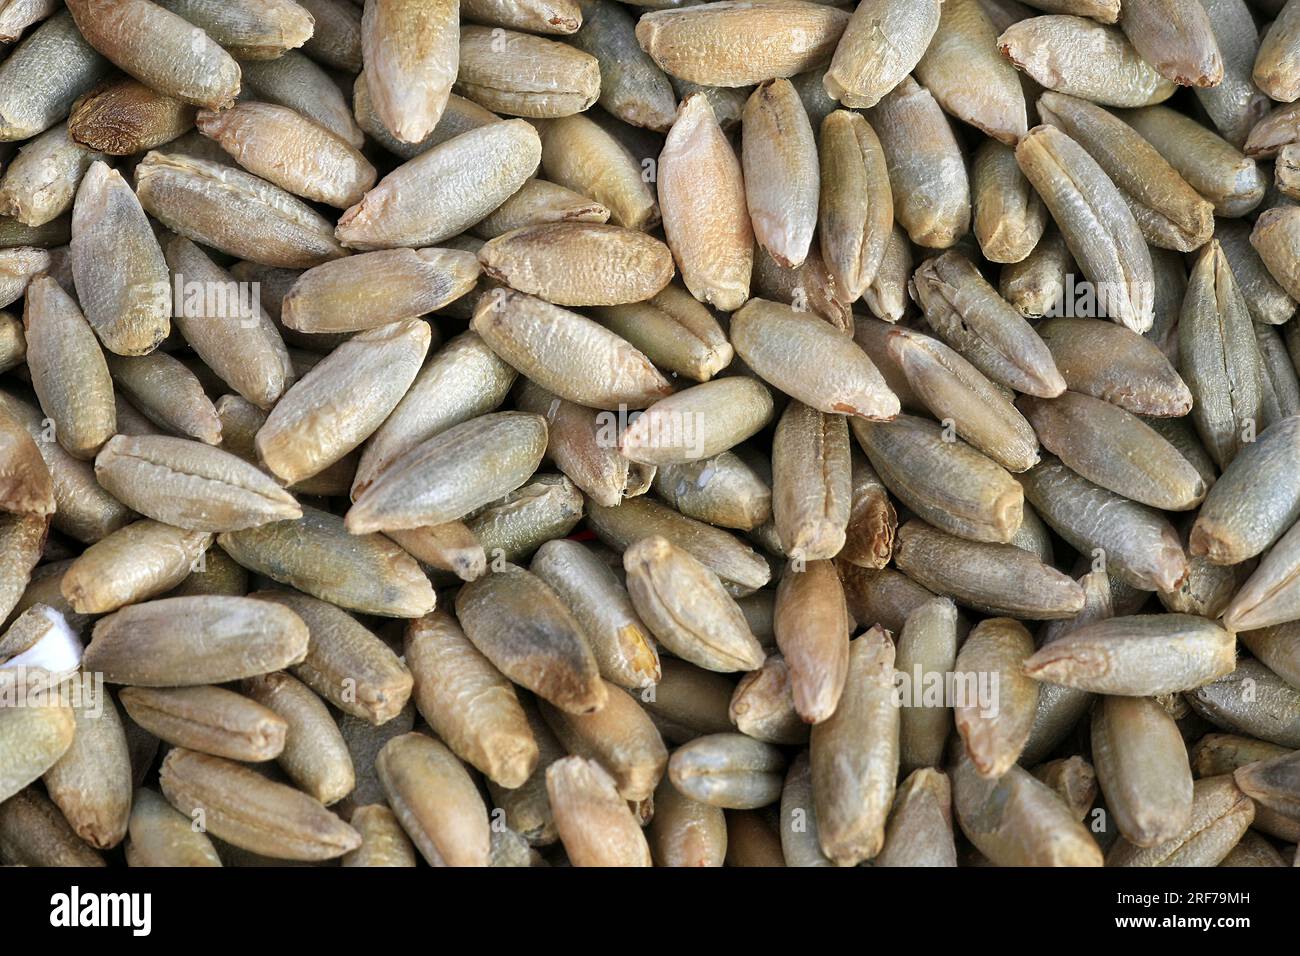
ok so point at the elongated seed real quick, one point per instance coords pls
(1016, 820)
(41, 182)
(994, 578)
(342, 400)
(1252, 700)
(1235, 523)
(34, 737)
(383, 841)
(736, 564)
(127, 305)
(159, 835)
(800, 842)
(1278, 61)
(451, 474)
(1273, 784)
(1220, 814)
(856, 213)
(881, 44)
(1141, 656)
(1235, 104)
(1110, 362)
(1116, 450)
(1142, 767)
(190, 485)
(555, 262)
(957, 392)
(702, 197)
(294, 81)
(468, 702)
(886, 297)
(345, 662)
(208, 719)
(741, 43)
(1009, 215)
(233, 211)
(854, 755)
(969, 314)
(927, 171)
(620, 737)
(128, 117)
(966, 74)
(811, 482)
(947, 483)
(315, 756)
(620, 641)
(920, 829)
(235, 338)
(812, 629)
(566, 353)
(1210, 164)
(135, 563)
(160, 49)
(698, 422)
(781, 171)
(593, 820)
(583, 443)
(808, 360)
(44, 76)
(252, 29)
(523, 627)
(516, 524)
(225, 639)
(34, 832)
(685, 832)
(290, 151)
(316, 554)
(446, 547)
(632, 87)
(411, 53)
(993, 655)
(436, 202)
(539, 202)
(728, 770)
(1095, 220)
(1274, 238)
(1220, 358)
(523, 75)
(68, 370)
(927, 647)
(687, 609)
(1175, 37)
(244, 808)
(462, 380)
(167, 393)
(1137, 543)
(1111, 72)
(1269, 595)
(582, 156)
(435, 801)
